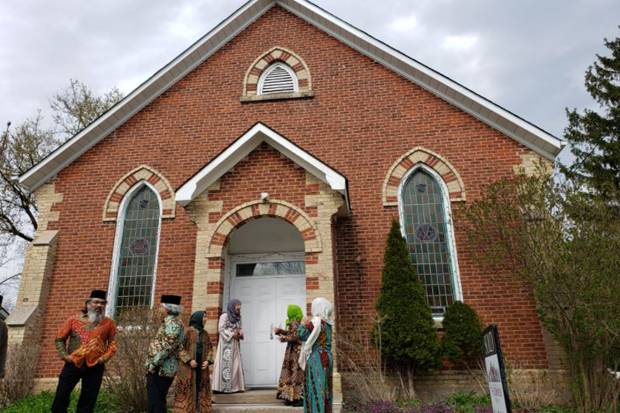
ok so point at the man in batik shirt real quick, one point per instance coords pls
(161, 360)
(85, 343)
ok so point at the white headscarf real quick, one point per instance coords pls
(321, 311)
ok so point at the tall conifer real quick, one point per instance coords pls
(595, 135)
(408, 337)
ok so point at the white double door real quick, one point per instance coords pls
(265, 299)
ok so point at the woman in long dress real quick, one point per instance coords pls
(227, 369)
(316, 357)
(192, 392)
(290, 385)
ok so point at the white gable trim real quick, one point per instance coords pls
(488, 112)
(242, 147)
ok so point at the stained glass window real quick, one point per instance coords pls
(428, 239)
(138, 251)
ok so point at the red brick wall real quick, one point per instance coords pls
(361, 119)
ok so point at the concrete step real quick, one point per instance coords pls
(255, 408)
(254, 396)
(255, 401)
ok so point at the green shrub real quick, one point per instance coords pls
(557, 409)
(467, 402)
(42, 402)
(405, 333)
(462, 341)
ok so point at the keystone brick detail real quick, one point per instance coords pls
(277, 54)
(413, 158)
(142, 173)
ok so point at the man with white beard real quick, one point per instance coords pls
(85, 343)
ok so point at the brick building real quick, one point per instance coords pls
(266, 162)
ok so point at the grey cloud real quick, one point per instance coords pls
(529, 56)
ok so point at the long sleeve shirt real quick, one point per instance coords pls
(165, 347)
(86, 342)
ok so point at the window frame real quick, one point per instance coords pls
(118, 240)
(457, 291)
(270, 68)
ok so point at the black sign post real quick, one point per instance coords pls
(496, 374)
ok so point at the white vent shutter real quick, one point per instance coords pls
(278, 79)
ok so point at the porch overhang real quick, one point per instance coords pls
(242, 147)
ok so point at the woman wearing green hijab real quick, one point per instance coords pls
(290, 386)
(193, 386)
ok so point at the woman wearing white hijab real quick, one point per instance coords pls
(316, 357)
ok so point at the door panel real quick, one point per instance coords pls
(265, 300)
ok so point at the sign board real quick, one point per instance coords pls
(496, 376)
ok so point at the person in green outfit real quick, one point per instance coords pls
(291, 383)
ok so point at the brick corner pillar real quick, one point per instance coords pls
(25, 321)
(321, 267)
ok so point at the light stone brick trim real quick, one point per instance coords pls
(256, 209)
(277, 54)
(417, 155)
(533, 164)
(46, 197)
(314, 222)
(26, 318)
(327, 203)
(123, 185)
(199, 211)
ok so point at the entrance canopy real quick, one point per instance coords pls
(242, 147)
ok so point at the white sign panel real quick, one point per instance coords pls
(496, 388)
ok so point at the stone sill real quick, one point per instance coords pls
(277, 96)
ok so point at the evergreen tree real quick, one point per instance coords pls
(407, 336)
(595, 136)
(462, 340)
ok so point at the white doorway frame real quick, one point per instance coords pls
(230, 274)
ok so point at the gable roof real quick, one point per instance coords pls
(452, 92)
(242, 147)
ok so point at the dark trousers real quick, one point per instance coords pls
(70, 376)
(156, 390)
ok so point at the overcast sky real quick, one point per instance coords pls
(529, 56)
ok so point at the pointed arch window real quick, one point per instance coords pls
(133, 276)
(278, 78)
(427, 227)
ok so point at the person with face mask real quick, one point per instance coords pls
(85, 343)
(227, 369)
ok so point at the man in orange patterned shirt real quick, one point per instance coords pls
(85, 342)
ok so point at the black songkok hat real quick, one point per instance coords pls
(101, 294)
(171, 299)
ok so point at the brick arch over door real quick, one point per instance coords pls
(123, 185)
(257, 209)
(277, 54)
(417, 155)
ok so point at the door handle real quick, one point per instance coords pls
(271, 332)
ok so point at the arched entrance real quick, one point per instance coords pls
(265, 269)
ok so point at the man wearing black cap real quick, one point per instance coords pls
(4, 338)
(85, 342)
(161, 361)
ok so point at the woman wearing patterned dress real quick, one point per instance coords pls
(227, 369)
(316, 357)
(290, 386)
(192, 393)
